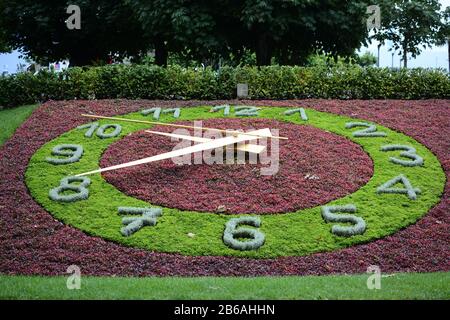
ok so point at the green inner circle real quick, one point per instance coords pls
(292, 234)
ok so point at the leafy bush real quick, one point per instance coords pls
(338, 81)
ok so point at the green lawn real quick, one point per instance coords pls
(397, 286)
(10, 119)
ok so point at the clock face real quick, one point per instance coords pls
(337, 182)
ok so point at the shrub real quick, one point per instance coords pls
(271, 82)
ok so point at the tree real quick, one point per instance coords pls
(39, 30)
(292, 30)
(202, 30)
(186, 27)
(411, 25)
(366, 60)
(3, 43)
(288, 30)
(444, 34)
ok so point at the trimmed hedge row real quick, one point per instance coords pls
(174, 82)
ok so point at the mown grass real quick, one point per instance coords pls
(10, 119)
(396, 286)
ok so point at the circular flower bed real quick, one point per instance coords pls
(33, 242)
(380, 207)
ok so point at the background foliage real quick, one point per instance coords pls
(338, 81)
(39, 30)
(206, 31)
(213, 31)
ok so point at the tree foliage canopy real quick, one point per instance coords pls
(288, 31)
(38, 28)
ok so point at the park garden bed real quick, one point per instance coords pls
(35, 242)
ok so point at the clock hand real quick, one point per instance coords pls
(250, 148)
(213, 144)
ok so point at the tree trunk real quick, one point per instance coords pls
(448, 47)
(81, 59)
(77, 61)
(264, 51)
(378, 57)
(405, 56)
(161, 53)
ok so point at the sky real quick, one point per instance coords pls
(436, 57)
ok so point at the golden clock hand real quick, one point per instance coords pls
(181, 126)
(213, 144)
(250, 148)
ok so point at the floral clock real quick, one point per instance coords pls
(340, 182)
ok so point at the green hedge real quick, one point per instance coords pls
(273, 82)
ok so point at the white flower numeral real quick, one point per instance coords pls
(409, 190)
(302, 112)
(358, 227)
(371, 130)
(234, 230)
(134, 224)
(157, 112)
(408, 152)
(80, 190)
(101, 130)
(71, 153)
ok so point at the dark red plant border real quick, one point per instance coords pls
(341, 166)
(33, 242)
